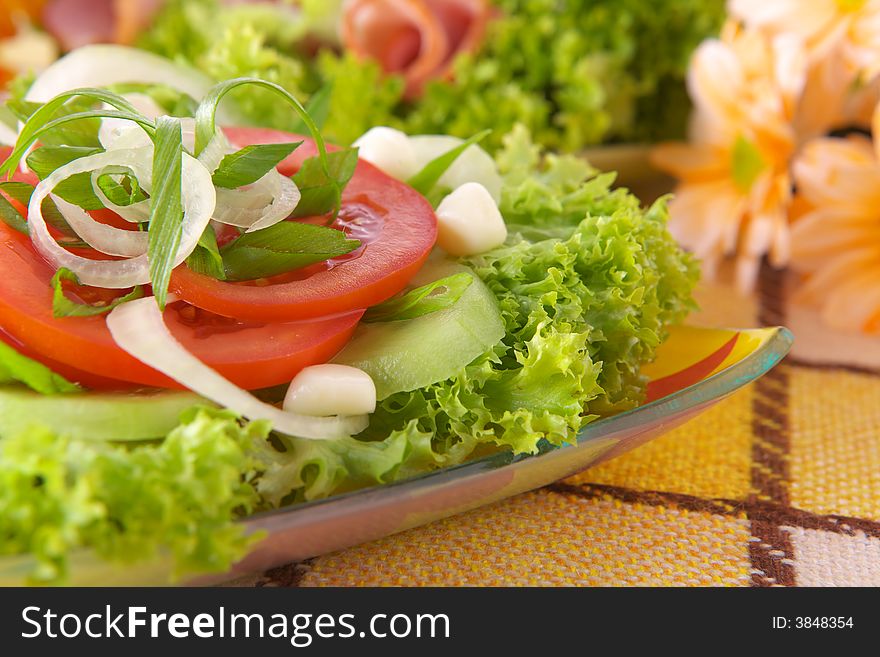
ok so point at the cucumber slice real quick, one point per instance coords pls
(94, 416)
(415, 353)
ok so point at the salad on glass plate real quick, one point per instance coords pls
(221, 340)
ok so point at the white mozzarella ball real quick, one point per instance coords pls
(469, 222)
(328, 389)
(389, 150)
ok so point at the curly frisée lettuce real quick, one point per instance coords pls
(128, 504)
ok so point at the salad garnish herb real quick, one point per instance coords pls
(42, 122)
(166, 209)
(76, 189)
(21, 192)
(248, 165)
(421, 301)
(206, 128)
(8, 213)
(123, 193)
(321, 183)
(62, 306)
(284, 247)
(321, 179)
(206, 258)
(426, 179)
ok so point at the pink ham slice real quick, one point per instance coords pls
(76, 23)
(418, 39)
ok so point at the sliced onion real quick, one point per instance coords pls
(135, 213)
(112, 128)
(213, 153)
(126, 135)
(106, 239)
(105, 65)
(265, 203)
(474, 165)
(139, 328)
(198, 198)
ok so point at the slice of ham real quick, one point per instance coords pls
(418, 39)
(76, 23)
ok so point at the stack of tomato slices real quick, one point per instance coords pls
(257, 334)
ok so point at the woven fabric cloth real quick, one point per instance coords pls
(777, 485)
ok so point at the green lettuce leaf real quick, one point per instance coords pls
(16, 368)
(130, 504)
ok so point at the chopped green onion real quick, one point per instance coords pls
(206, 258)
(41, 120)
(166, 208)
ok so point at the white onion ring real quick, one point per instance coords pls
(138, 327)
(136, 213)
(105, 65)
(101, 237)
(198, 198)
(112, 128)
(267, 202)
(214, 152)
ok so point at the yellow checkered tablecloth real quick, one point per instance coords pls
(777, 485)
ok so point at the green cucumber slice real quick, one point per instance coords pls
(411, 354)
(95, 416)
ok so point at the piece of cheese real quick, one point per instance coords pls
(389, 150)
(329, 389)
(469, 222)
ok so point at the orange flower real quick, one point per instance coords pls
(852, 26)
(835, 97)
(842, 41)
(836, 243)
(735, 186)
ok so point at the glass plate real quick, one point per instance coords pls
(695, 368)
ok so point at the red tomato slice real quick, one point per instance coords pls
(396, 225)
(252, 355)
